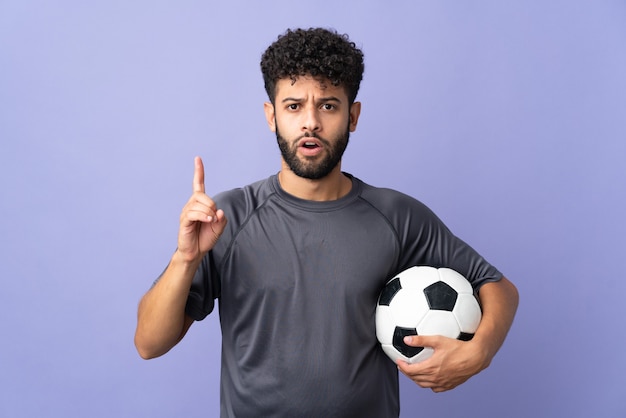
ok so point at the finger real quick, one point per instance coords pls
(421, 373)
(197, 211)
(414, 369)
(198, 175)
(220, 216)
(422, 340)
(199, 198)
(422, 379)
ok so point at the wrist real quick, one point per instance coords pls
(187, 254)
(184, 261)
(483, 351)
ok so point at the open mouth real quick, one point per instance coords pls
(310, 145)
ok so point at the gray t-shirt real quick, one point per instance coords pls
(297, 283)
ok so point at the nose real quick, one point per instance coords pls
(311, 121)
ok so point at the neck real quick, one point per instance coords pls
(332, 187)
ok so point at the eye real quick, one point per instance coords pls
(328, 106)
(293, 106)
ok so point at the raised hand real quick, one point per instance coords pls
(201, 223)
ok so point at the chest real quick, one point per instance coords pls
(282, 253)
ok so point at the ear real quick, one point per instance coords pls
(270, 115)
(355, 112)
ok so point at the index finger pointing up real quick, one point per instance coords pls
(198, 175)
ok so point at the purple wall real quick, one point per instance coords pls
(508, 120)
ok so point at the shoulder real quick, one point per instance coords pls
(239, 203)
(404, 213)
(246, 195)
(388, 200)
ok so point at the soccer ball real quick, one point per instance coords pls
(425, 301)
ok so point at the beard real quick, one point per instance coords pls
(309, 167)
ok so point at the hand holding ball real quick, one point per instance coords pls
(425, 301)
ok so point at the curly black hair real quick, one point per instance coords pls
(316, 52)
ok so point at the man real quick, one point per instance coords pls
(297, 261)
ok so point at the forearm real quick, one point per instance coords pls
(161, 314)
(499, 302)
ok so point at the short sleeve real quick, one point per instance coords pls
(204, 289)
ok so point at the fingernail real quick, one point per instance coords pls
(209, 218)
(408, 339)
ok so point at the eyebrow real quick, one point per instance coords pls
(321, 100)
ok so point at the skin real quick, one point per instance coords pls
(309, 106)
(314, 107)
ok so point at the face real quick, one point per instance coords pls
(312, 121)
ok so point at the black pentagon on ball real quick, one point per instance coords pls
(441, 296)
(398, 341)
(465, 336)
(389, 291)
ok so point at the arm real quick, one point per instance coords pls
(499, 302)
(161, 318)
(454, 361)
